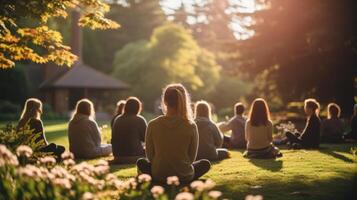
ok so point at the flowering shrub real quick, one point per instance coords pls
(282, 128)
(286, 127)
(15, 139)
(47, 180)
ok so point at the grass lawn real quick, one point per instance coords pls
(329, 173)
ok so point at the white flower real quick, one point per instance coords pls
(157, 191)
(87, 196)
(110, 177)
(67, 155)
(209, 184)
(62, 182)
(6, 157)
(101, 169)
(184, 196)
(130, 183)
(119, 184)
(47, 160)
(24, 150)
(173, 180)
(69, 162)
(252, 197)
(197, 185)
(102, 163)
(214, 194)
(143, 178)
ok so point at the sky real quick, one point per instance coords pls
(238, 23)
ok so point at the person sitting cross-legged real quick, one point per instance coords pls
(259, 132)
(84, 135)
(332, 127)
(210, 137)
(172, 141)
(310, 136)
(237, 126)
(128, 133)
(31, 117)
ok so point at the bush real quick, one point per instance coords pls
(46, 180)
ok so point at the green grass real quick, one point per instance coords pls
(328, 173)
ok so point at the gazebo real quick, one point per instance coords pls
(65, 89)
(62, 88)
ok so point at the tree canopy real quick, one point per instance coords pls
(170, 55)
(138, 18)
(39, 43)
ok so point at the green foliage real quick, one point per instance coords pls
(13, 85)
(229, 90)
(14, 138)
(305, 55)
(137, 18)
(40, 43)
(171, 55)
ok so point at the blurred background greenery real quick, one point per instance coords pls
(223, 51)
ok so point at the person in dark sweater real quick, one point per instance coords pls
(31, 119)
(237, 126)
(118, 111)
(128, 133)
(332, 127)
(310, 137)
(353, 133)
(210, 137)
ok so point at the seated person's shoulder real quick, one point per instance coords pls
(156, 120)
(141, 118)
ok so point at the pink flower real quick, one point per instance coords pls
(6, 157)
(24, 150)
(173, 180)
(197, 185)
(157, 191)
(252, 197)
(144, 178)
(184, 196)
(47, 160)
(214, 194)
(87, 196)
(67, 155)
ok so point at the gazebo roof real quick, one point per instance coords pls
(82, 76)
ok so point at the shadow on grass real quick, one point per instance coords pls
(268, 164)
(296, 189)
(334, 153)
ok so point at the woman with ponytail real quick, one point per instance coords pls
(310, 137)
(172, 140)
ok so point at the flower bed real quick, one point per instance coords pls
(47, 179)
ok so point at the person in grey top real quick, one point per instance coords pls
(84, 135)
(210, 137)
(237, 126)
(128, 133)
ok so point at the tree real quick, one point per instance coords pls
(171, 55)
(39, 43)
(308, 47)
(138, 18)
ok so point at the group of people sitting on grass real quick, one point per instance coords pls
(178, 143)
